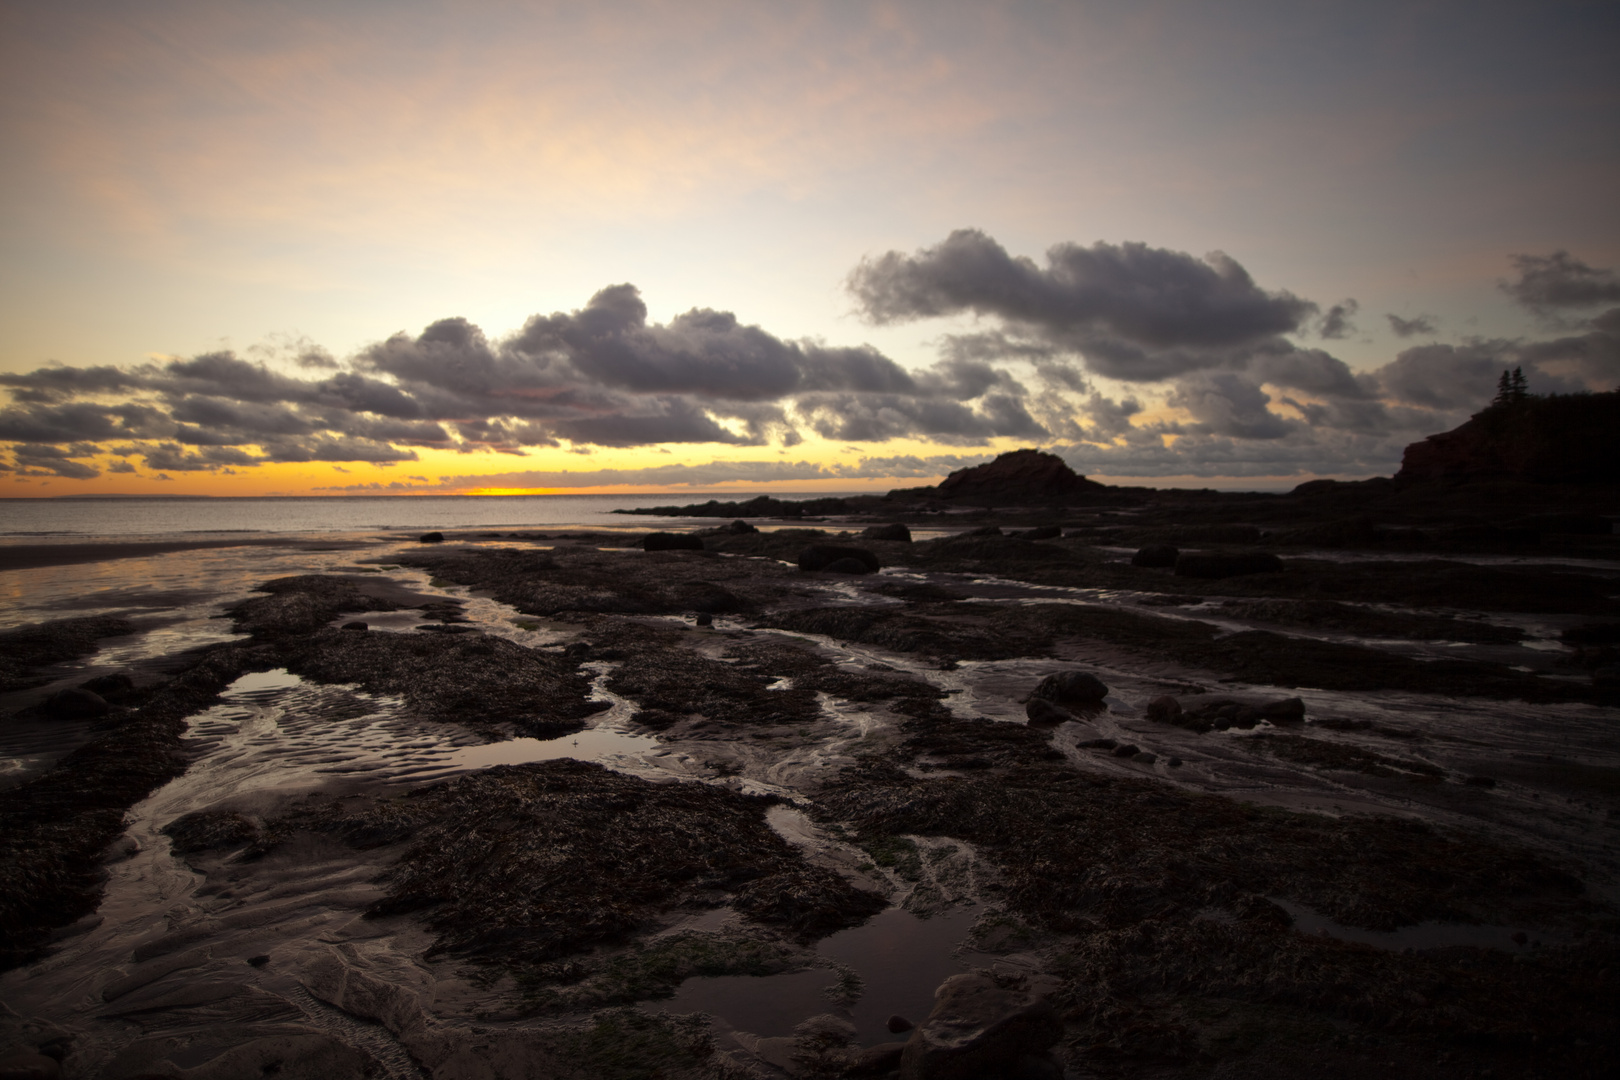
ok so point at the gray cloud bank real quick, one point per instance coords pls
(1200, 335)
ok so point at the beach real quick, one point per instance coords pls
(368, 805)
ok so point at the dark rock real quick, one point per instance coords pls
(210, 830)
(846, 566)
(1097, 744)
(1480, 782)
(110, 687)
(705, 619)
(1065, 686)
(1020, 478)
(1156, 555)
(1210, 565)
(1260, 911)
(357, 624)
(983, 530)
(1041, 711)
(739, 528)
(1145, 758)
(260, 960)
(431, 538)
(876, 1060)
(1563, 438)
(887, 532)
(976, 1029)
(1280, 711)
(1039, 532)
(1164, 709)
(27, 1065)
(76, 704)
(898, 1024)
(821, 556)
(1128, 750)
(1175, 763)
(665, 541)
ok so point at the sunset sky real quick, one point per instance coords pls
(367, 246)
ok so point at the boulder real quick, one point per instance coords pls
(898, 1024)
(356, 624)
(1128, 750)
(739, 527)
(704, 619)
(846, 565)
(431, 538)
(110, 687)
(1041, 711)
(1156, 555)
(76, 703)
(1164, 709)
(978, 1029)
(1071, 686)
(887, 532)
(666, 541)
(1211, 565)
(821, 556)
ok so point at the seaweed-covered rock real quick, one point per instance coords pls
(1156, 555)
(846, 566)
(1211, 565)
(1071, 686)
(29, 647)
(667, 541)
(822, 556)
(978, 1029)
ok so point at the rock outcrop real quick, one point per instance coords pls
(1020, 478)
(1560, 438)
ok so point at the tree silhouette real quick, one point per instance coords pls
(1511, 388)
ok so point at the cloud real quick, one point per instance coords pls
(1405, 328)
(1336, 323)
(1133, 311)
(1548, 283)
(1227, 404)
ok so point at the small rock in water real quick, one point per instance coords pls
(1041, 711)
(260, 960)
(1155, 555)
(898, 1023)
(1145, 758)
(1175, 763)
(1209, 565)
(1480, 782)
(431, 538)
(356, 624)
(846, 566)
(1063, 686)
(887, 532)
(1097, 744)
(1128, 750)
(1165, 709)
(111, 686)
(740, 527)
(704, 619)
(77, 704)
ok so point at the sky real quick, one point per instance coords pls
(368, 247)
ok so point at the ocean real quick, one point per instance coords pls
(34, 521)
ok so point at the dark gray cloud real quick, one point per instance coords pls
(1150, 298)
(1225, 403)
(33, 459)
(1336, 322)
(1550, 283)
(1417, 324)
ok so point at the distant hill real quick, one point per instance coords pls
(1018, 478)
(1556, 439)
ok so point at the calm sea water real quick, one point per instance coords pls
(34, 521)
